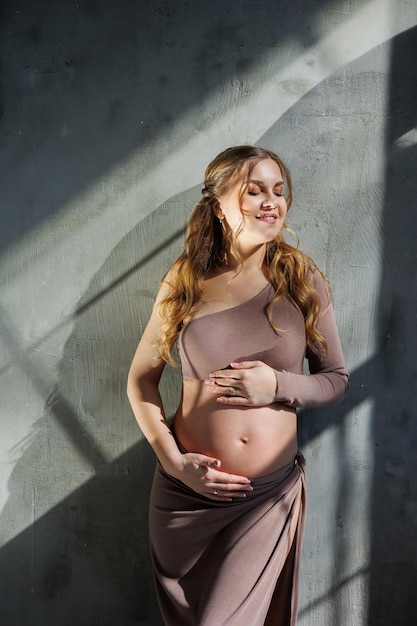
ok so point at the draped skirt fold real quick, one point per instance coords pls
(228, 563)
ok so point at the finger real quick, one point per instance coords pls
(206, 461)
(229, 490)
(235, 400)
(220, 496)
(230, 390)
(222, 375)
(228, 494)
(222, 381)
(221, 480)
(243, 365)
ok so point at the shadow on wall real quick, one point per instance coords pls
(84, 85)
(86, 560)
(389, 377)
(393, 598)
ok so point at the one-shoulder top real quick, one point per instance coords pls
(243, 333)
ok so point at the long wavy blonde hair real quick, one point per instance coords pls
(208, 245)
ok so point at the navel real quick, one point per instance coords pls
(244, 439)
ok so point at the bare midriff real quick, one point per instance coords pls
(249, 441)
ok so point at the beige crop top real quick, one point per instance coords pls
(243, 333)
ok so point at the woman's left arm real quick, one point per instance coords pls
(327, 382)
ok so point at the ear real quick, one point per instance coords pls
(217, 209)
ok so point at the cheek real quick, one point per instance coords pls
(250, 207)
(231, 209)
(235, 217)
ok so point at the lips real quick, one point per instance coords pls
(268, 218)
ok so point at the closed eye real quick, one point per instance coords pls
(256, 193)
(256, 187)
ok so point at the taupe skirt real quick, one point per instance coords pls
(228, 563)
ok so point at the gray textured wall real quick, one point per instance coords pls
(109, 113)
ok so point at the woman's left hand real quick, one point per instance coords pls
(249, 383)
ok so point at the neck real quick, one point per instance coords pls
(247, 259)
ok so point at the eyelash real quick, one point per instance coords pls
(255, 193)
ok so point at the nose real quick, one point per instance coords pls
(269, 201)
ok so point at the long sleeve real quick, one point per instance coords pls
(327, 382)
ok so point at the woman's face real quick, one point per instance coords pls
(258, 216)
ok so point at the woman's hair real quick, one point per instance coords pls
(208, 245)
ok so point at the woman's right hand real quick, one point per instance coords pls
(201, 473)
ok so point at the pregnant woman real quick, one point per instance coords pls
(246, 308)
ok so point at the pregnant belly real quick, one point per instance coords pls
(249, 441)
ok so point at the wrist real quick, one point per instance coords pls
(173, 465)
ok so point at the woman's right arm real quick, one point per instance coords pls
(199, 472)
(142, 390)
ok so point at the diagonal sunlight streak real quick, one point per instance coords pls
(335, 589)
(85, 306)
(245, 122)
(42, 379)
(59, 406)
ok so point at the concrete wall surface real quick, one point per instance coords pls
(110, 111)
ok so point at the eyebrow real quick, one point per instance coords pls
(261, 183)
